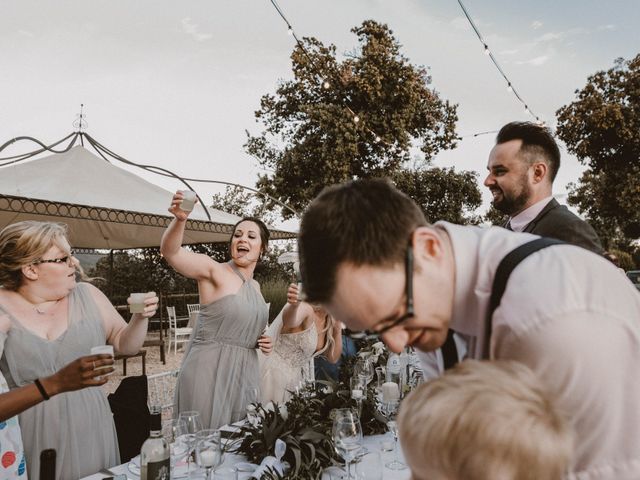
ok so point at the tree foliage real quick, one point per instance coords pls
(602, 128)
(442, 193)
(312, 137)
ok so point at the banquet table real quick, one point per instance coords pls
(372, 444)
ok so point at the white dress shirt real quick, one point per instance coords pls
(572, 318)
(525, 217)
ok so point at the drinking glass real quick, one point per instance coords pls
(347, 439)
(380, 379)
(369, 467)
(358, 390)
(174, 432)
(208, 450)
(390, 411)
(194, 425)
(364, 367)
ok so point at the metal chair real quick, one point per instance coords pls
(177, 334)
(161, 388)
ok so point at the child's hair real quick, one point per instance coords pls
(485, 421)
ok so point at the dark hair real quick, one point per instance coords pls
(536, 141)
(363, 222)
(264, 232)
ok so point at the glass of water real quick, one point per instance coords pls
(347, 439)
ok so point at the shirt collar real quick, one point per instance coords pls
(525, 217)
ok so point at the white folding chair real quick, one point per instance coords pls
(177, 334)
(193, 308)
(161, 388)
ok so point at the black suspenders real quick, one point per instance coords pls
(506, 266)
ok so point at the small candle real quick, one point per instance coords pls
(356, 394)
(390, 392)
(208, 458)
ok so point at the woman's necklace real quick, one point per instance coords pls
(39, 311)
(37, 307)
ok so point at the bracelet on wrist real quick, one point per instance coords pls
(43, 392)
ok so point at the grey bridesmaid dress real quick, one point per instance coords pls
(221, 362)
(78, 425)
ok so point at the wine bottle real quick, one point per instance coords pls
(48, 464)
(155, 461)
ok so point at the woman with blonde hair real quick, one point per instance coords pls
(301, 331)
(50, 320)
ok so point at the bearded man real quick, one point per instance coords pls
(522, 167)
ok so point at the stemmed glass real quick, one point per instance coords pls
(347, 438)
(175, 435)
(208, 450)
(192, 420)
(390, 411)
(358, 390)
(364, 367)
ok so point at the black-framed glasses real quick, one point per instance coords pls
(68, 259)
(409, 312)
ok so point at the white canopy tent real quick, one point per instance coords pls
(104, 206)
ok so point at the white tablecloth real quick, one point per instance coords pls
(372, 443)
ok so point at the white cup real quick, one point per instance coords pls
(101, 350)
(188, 200)
(137, 302)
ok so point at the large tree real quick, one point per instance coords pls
(442, 193)
(602, 128)
(356, 117)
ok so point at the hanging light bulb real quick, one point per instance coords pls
(486, 49)
(377, 139)
(526, 110)
(509, 88)
(356, 118)
(290, 31)
(326, 85)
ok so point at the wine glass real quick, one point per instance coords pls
(192, 419)
(358, 385)
(347, 439)
(364, 367)
(208, 450)
(174, 433)
(390, 411)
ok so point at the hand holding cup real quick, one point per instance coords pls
(182, 204)
(143, 304)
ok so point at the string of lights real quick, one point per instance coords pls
(487, 51)
(326, 83)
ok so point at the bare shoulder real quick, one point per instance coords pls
(97, 295)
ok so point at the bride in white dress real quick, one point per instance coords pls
(301, 331)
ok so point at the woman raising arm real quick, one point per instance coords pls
(221, 364)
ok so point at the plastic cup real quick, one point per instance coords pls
(101, 350)
(137, 302)
(188, 200)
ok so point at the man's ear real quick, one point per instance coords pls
(426, 243)
(540, 171)
(30, 272)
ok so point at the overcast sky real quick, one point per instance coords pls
(176, 83)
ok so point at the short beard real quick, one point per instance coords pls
(510, 205)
